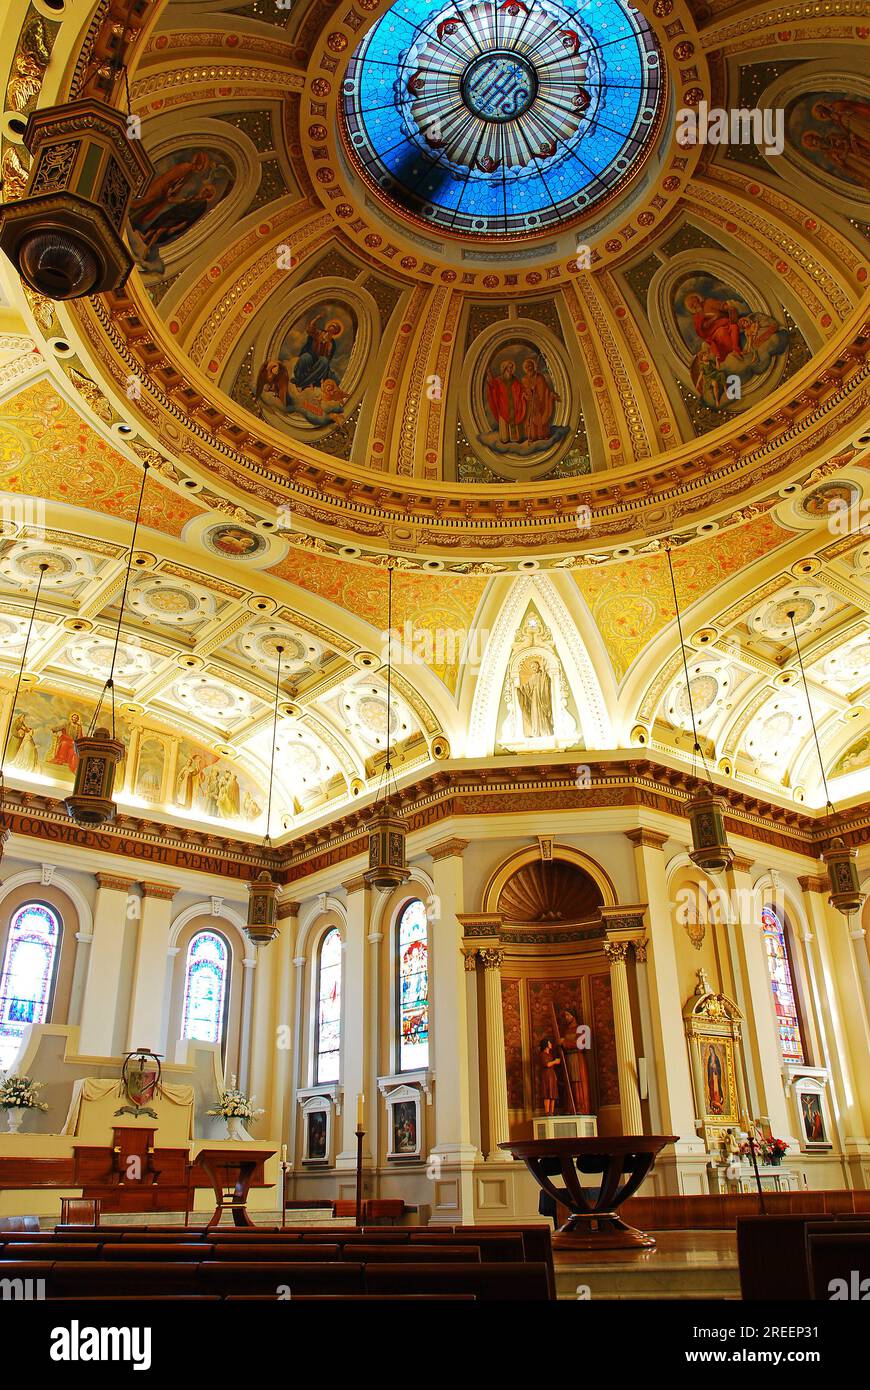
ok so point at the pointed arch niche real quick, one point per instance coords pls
(580, 718)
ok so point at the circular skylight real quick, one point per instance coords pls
(502, 119)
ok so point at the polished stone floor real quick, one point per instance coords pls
(683, 1264)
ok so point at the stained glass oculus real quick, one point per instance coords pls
(502, 118)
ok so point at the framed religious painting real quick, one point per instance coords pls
(808, 1087)
(404, 1126)
(316, 1132)
(713, 1033)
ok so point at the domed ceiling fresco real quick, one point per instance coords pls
(444, 287)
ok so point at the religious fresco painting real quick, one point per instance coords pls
(729, 342)
(521, 402)
(44, 729)
(187, 184)
(856, 757)
(303, 381)
(208, 784)
(235, 542)
(830, 131)
(149, 769)
(404, 1120)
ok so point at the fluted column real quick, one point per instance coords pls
(671, 1057)
(761, 1027)
(282, 1021)
(101, 1004)
(626, 1059)
(496, 1067)
(640, 948)
(149, 1007)
(356, 1020)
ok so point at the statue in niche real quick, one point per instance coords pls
(536, 693)
(535, 696)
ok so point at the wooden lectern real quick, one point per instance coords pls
(231, 1175)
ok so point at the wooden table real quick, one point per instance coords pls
(231, 1176)
(622, 1160)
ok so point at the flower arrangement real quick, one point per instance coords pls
(775, 1148)
(20, 1093)
(233, 1104)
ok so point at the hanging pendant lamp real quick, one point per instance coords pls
(840, 861)
(262, 923)
(65, 237)
(99, 752)
(387, 830)
(711, 850)
(4, 828)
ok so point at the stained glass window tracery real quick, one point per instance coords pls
(27, 979)
(206, 981)
(501, 117)
(779, 968)
(328, 1050)
(413, 981)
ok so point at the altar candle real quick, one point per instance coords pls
(283, 1153)
(360, 1100)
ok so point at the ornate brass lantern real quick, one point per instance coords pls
(707, 819)
(91, 799)
(64, 235)
(262, 924)
(387, 866)
(841, 862)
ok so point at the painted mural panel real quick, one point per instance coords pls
(303, 381)
(521, 403)
(44, 729)
(732, 345)
(556, 1006)
(604, 1037)
(210, 785)
(830, 131)
(188, 183)
(513, 1042)
(149, 770)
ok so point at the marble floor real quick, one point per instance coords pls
(683, 1264)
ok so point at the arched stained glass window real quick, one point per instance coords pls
(413, 987)
(328, 1050)
(779, 968)
(206, 986)
(29, 966)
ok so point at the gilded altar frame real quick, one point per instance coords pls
(713, 1026)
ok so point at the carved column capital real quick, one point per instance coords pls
(814, 883)
(448, 849)
(469, 959)
(158, 890)
(116, 882)
(649, 839)
(616, 951)
(289, 909)
(490, 958)
(355, 885)
(640, 950)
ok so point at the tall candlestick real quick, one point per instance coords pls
(360, 1101)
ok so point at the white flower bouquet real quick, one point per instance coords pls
(20, 1093)
(233, 1104)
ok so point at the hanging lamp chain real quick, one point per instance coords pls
(110, 683)
(266, 838)
(42, 569)
(829, 805)
(696, 749)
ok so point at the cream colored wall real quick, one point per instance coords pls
(273, 988)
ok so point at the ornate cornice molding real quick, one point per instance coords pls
(448, 849)
(648, 839)
(158, 890)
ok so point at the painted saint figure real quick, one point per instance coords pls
(314, 363)
(507, 401)
(62, 752)
(24, 753)
(715, 1093)
(540, 401)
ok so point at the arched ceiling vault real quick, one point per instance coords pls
(307, 367)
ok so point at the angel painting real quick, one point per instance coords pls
(731, 343)
(304, 376)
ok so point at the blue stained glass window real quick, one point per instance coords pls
(501, 117)
(29, 965)
(781, 984)
(206, 982)
(413, 979)
(328, 1049)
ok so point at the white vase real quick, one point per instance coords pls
(236, 1129)
(14, 1118)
